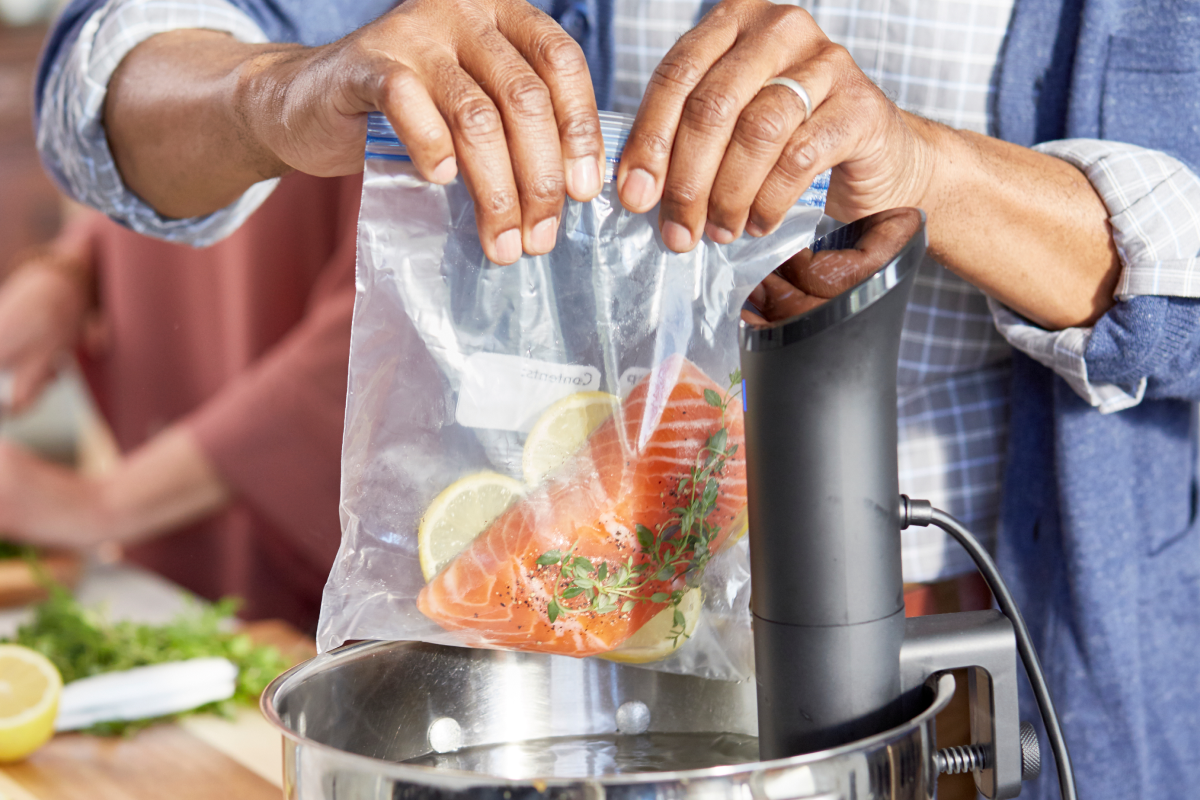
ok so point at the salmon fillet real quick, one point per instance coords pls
(625, 475)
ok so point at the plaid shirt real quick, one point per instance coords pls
(935, 58)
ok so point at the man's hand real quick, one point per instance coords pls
(496, 90)
(727, 154)
(492, 88)
(806, 280)
(42, 309)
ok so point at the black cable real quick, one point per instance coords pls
(922, 513)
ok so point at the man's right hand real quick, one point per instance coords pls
(42, 308)
(493, 89)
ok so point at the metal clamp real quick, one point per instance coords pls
(984, 644)
(966, 758)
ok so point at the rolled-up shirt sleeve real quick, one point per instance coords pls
(1153, 203)
(70, 133)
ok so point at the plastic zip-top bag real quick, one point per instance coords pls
(546, 456)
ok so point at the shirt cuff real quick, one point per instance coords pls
(1064, 352)
(1153, 202)
(71, 135)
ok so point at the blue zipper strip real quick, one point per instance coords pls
(383, 144)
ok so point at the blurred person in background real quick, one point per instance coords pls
(222, 373)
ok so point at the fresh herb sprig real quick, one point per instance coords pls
(13, 550)
(682, 545)
(80, 642)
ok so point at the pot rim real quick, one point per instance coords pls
(414, 773)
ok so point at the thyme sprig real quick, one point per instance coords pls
(681, 545)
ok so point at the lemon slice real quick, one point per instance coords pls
(29, 690)
(653, 640)
(461, 512)
(741, 526)
(562, 429)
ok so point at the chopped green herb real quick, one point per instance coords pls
(81, 642)
(14, 550)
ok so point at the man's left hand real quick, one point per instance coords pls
(725, 153)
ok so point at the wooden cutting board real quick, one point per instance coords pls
(166, 761)
(200, 758)
(20, 586)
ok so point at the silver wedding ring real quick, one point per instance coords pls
(800, 91)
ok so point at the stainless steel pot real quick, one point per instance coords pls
(351, 716)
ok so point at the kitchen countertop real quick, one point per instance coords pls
(201, 757)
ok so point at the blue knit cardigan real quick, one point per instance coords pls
(1098, 526)
(1099, 535)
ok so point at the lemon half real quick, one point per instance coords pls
(461, 512)
(562, 429)
(653, 640)
(29, 690)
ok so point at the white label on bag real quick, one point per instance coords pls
(509, 393)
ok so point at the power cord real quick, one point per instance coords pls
(922, 513)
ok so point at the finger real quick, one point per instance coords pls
(531, 131)
(794, 268)
(828, 138)
(758, 297)
(483, 158)
(764, 128)
(706, 124)
(889, 227)
(781, 300)
(757, 300)
(831, 272)
(398, 92)
(647, 152)
(560, 63)
(710, 116)
(752, 319)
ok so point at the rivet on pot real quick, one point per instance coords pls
(633, 717)
(445, 735)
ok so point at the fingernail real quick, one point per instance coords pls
(543, 235)
(754, 230)
(585, 177)
(638, 191)
(445, 171)
(718, 235)
(677, 237)
(508, 246)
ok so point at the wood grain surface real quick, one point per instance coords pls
(203, 758)
(160, 762)
(19, 585)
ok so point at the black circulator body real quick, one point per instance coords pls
(827, 591)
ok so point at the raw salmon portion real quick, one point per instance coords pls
(626, 474)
